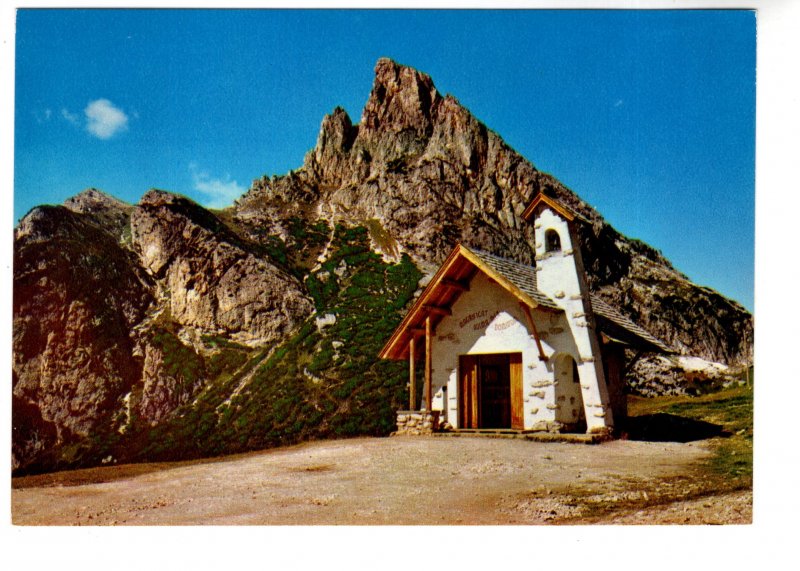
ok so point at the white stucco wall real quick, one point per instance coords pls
(488, 319)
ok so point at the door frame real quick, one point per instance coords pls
(469, 390)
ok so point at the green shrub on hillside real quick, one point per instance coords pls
(324, 381)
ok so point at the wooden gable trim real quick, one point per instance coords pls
(406, 324)
(413, 322)
(552, 203)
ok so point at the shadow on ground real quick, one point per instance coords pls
(663, 427)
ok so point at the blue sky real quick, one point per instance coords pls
(648, 115)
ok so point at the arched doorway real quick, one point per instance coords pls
(569, 397)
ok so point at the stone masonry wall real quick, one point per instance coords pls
(416, 422)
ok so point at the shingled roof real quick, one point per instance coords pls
(521, 275)
(524, 277)
(616, 321)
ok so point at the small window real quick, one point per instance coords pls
(552, 241)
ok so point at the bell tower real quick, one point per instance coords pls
(560, 276)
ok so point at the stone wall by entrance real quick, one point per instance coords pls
(416, 422)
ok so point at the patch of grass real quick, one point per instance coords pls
(180, 362)
(381, 237)
(731, 409)
(218, 341)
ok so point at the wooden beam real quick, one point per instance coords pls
(412, 375)
(428, 363)
(532, 325)
(437, 310)
(552, 203)
(393, 348)
(416, 331)
(453, 284)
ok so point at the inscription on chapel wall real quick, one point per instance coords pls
(480, 320)
(484, 315)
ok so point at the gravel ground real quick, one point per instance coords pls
(399, 480)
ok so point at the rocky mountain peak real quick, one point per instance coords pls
(92, 200)
(403, 103)
(425, 169)
(329, 161)
(401, 97)
(156, 197)
(111, 214)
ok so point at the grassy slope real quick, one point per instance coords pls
(322, 383)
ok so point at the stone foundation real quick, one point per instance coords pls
(556, 427)
(552, 426)
(416, 422)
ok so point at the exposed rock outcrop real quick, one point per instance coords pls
(111, 214)
(77, 296)
(215, 283)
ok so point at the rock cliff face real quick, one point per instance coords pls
(111, 306)
(77, 297)
(140, 331)
(216, 283)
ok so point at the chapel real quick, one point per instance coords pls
(511, 347)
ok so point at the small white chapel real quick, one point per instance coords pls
(509, 347)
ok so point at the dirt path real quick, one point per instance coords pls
(398, 481)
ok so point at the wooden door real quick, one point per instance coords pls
(468, 391)
(515, 372)
(490, 391)
(494, 384)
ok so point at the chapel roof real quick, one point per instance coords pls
(521, 275)
(616, 324)
(543, 199)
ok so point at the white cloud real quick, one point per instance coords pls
(104, 120)
(220, 192)
(70, 117)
